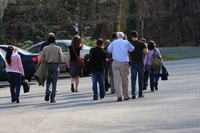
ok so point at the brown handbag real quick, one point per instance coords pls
(79, 59)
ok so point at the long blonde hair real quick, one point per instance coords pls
(106, 43)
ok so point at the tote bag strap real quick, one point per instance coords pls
(154, 51)
(75, 52)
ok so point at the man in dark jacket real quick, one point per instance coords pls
(98, 63)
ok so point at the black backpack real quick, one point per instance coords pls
(88, 61)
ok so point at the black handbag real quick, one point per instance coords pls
(165, 74)
(26, 85)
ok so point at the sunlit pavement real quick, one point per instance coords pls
(174, 108)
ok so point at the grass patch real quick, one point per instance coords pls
(168, 58)
(177, 53)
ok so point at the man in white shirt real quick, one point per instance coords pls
(119, 49)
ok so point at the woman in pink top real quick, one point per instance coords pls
(15, 71)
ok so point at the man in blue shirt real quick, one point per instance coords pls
(119, 49)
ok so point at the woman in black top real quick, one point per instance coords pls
(74, 70)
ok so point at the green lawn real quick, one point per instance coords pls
(177, 53)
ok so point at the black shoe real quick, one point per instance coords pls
(17, 101)
(47, 97)
(133, 96)
(102, 97)
(112, 92)
(126, 98)
(119, 99)
(95, 98)
(72, 87)
(52, 101)
(156, 86)
(141, 96)
(144, 87)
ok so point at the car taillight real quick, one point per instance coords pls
(36, 59)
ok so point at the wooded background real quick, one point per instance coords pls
(167, 22)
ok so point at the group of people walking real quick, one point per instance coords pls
(110, 66)
(120, 55)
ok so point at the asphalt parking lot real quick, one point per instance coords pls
(174, 108)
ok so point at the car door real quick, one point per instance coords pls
(3, 73)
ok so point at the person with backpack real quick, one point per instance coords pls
(153, 73)
(97, 72)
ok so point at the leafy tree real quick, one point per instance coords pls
(132, 17)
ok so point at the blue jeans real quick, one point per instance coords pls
(137, 69)
(154, 77)
(15, 84)
(52, 79)
(98, 77)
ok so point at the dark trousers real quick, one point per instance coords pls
(106, 83)
(146, 76)
(15, 84)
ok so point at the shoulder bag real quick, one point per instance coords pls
(79, 59)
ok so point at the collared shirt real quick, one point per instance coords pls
(119, 49)
(52, 54)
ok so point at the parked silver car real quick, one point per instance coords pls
(64, 46)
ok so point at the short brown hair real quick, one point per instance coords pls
(143, 40)
(134, 33)
(151, 45)
(99, 42)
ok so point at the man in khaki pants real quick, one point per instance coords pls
(119, 49)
